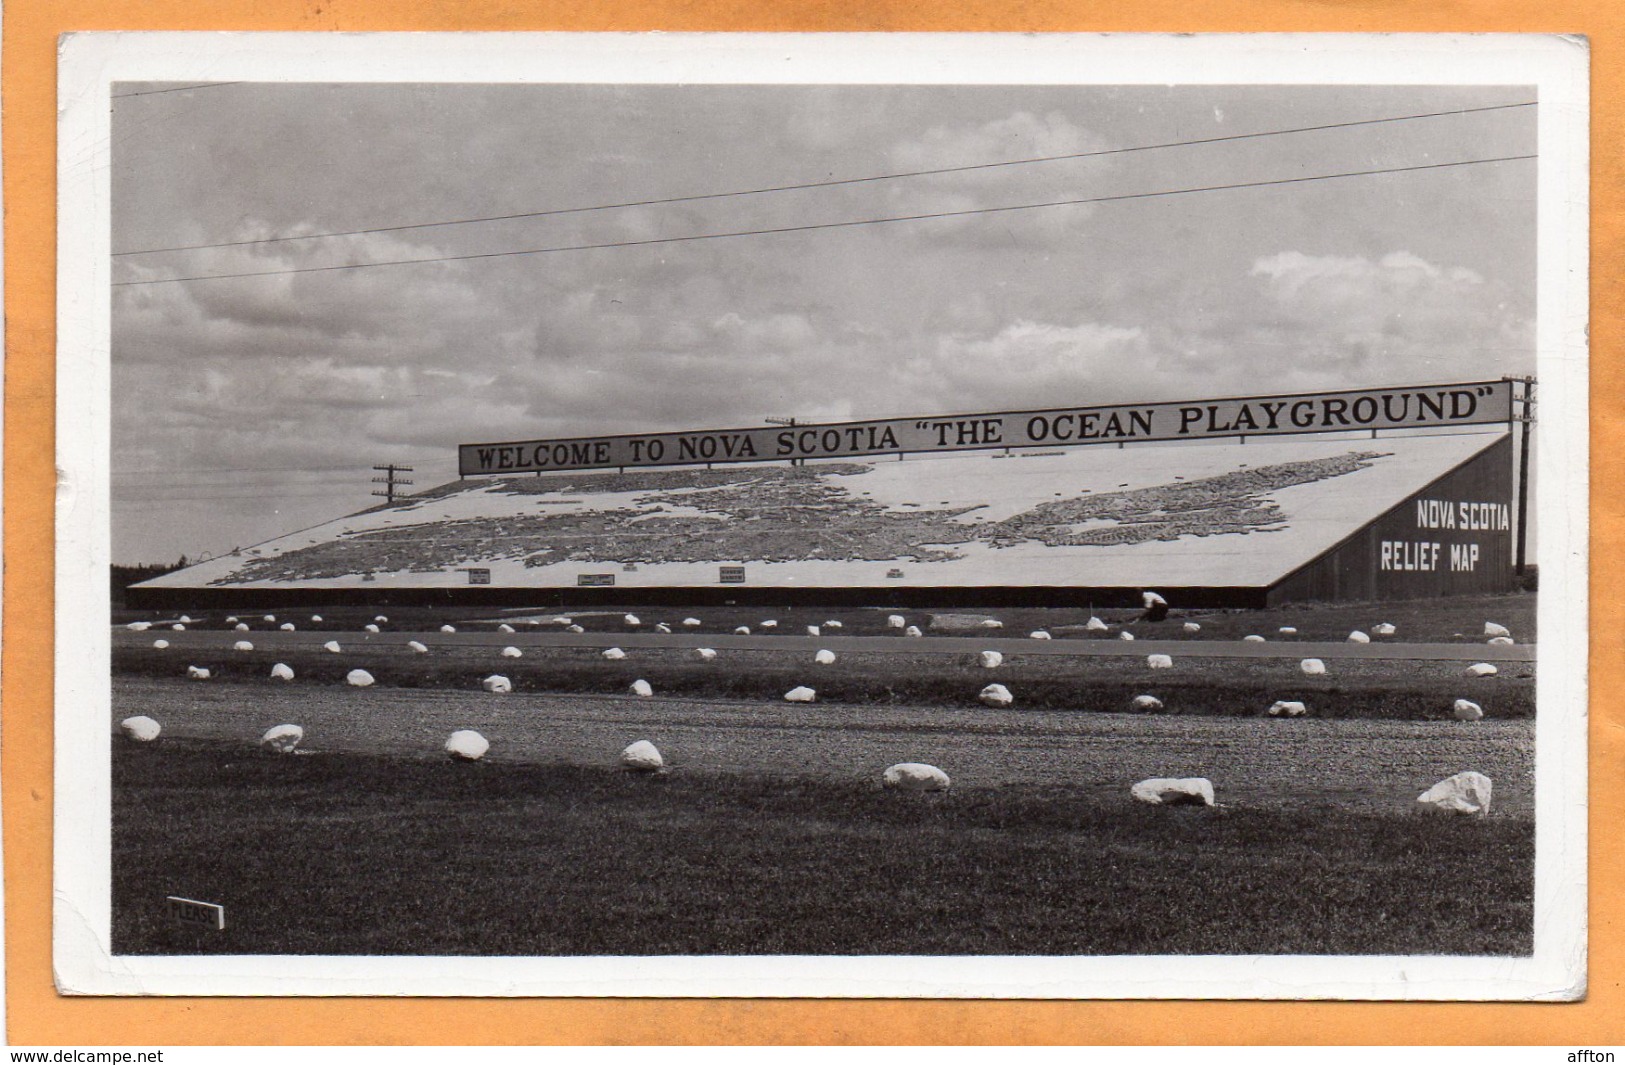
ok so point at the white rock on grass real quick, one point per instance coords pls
(614, 654)
(834, 625)
(505, 628)
(1312, 667)
(161, 645)
(287, 626)
(1467, 710)
(512, 652)
(242, 645)
(369, 628)
(1159, 661)
(1288, 708)
(1038, 634)
(417, 648)
(358, 678)
(282, 739)
(825, 658)
(1191, 626)
(802, 694)
(692, 623)
(271, 618)
(140, 729)
(632, 620)
(913, 630)
(562, 620)
(705, 654)
(991, 659)
(1094, 624)
(332, 646)
(992, 623)
(1125, 635)
(1464, 793)
(896, 621)
(497, 684)
(467, 745)
(139, 626)
(574, 628)
(915, 776)
(187, 618)
(316, 619)
(814, 630)
(232, 620)
(642, 756)
(996, 695)
(1174, 791)
(663, 628)
(380, 619)
(1287, 630)
(1501, 641)
(1492, 629)
(1358, 637)
(742, 630)
(641, 688)
(1146, 704)
(770, 623)
(1383, 629)
(1482, 669)
(448, 629)
(281, 671)
(1252, 639)
(240, 627)
(178, 628)
(197, 673)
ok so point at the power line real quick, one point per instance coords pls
(831, 183)
(829, 225)
(178, 88)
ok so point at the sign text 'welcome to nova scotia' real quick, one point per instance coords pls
(1321, 412)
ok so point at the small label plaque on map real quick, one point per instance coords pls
(479, 576)
(731, 574)
(595, 580)
(195, 914)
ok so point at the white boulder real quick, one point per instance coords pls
(825, 658)
(641, 688)
(448, 629)
(240, 627)
(801, 694)
(705, 654)
(161, 644)
(1146, 704)
(1287, 630)
(282, 739)
(197, 673)
(1482, 669)
(358, 678)
(281, 671)
(574, 628)
(915, 776)
(642, 756)
(232, 620)
(1174, 791)
(139, 626)
(1159, 661)
(742, 630)
(271, 618)
(1464, 793)
(692, 623)
(562, 620)
(505, 627)
(380, 619)
(614, 654)
(1312, 667)
(287, 626)
(662, 627)
(1191, 626)
(332, 646)
(178, 628)
(1358, 637)
(1492, 629)
(242, 645)
(497, 684)
(833, 625)
(1252, 639)
(1467, 710)
(187, 618)
(1094, 624)
(1039, 634)
(814, 630)
(769, 624)
(991, 659)
(417, 648)
(1125, 635)
(1501, 641)
(467, 745)
(1288, 708)
(632, 620)
(140, 729)
(996, 695)
(1383, 629)
(316, 619)
(369, 628)
(913, 630)
(896, 621)
(992, 623)
(512, 652)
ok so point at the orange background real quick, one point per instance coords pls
(37, 1015)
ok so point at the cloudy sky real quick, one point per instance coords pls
(249, 407)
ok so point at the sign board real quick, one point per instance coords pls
(595, 580)
(195, 914)
(1480, 403)
(479, 576)
(731, 574)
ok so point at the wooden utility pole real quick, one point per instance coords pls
(390, 481)
(1527, 417)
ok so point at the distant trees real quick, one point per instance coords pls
(124, 576)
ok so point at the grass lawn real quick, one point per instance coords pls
(371, 854)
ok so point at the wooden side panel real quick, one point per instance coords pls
(1454, 537)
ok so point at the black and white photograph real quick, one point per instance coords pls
(820, 515)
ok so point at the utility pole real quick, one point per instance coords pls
(390, 481)
(1527, 417)
(789, 422)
